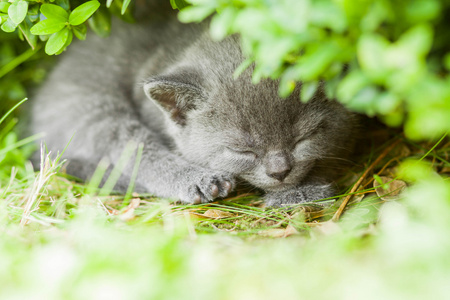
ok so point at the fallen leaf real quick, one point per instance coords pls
(390, 172)
(445, 170)
(401, 150)
(290, 230)
(393, 191)
(326, 228)
(356, 198)
(308, 212)
(218, 214)
(279, 232)
(128, 213)
(191, 213)
(273, 232)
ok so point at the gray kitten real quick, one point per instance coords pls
(169, 86)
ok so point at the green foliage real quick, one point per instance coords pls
(385, 58)
(55, 23)
(17, 11)
(83, 12)
(379, 57)
(178, 4)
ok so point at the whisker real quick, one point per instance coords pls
(337, 158)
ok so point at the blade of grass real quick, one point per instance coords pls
(132, 184)
(363, 176)
(11, 180)
(118, 168)
(20, 143)
(48, 168)
(434, 147)
(97, 177)
(446, 162)
(7, 128)
(12, 109)
(17, 61)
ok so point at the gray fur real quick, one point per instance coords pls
(170, 87)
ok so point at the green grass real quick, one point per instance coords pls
(65, 240)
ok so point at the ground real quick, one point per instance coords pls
(63, 239)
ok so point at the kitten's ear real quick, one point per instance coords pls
(173, 97)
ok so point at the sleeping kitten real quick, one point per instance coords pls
(169, 86)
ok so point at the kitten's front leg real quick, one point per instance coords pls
(203, 185)
(303, 193)
(166, 174)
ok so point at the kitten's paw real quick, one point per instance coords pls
(206, 187)
(302, 194)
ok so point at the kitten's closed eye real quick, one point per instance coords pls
(244, 152)
(309, 136)
(301, 142)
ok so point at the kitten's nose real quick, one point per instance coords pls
(278, 165)
(280, 176)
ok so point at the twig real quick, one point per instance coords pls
(341, 208)
(381, 171)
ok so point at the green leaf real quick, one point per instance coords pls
(331, 85)
(317, 60)
(125, 6)
(20, 35)
(364, 101)
(69, 40)
(17, 11)
(47, 26)
(4, 7)
(378, 179)
(57, 41)
(33, 13)
(116, 9)
(242, 67)
(420, 11)
(286, 87)
(100, 23)
(83, 12)
(9, 26)
(417, 40)
(56, 12)
(222, 22)
(108, 3)
(308, 90)
(352, 83)
(80, 31)
(371, 50)
(63, 3)
(3, 18)
(447, 61)
(387, 102)
(195, 13)
(178, 4)
(25, 29)
(43, 38)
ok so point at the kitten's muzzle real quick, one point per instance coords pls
(280, 176)
(278, 165)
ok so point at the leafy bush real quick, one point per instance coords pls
(55, 23)
(389, 58)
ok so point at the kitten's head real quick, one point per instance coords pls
(248, 130)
